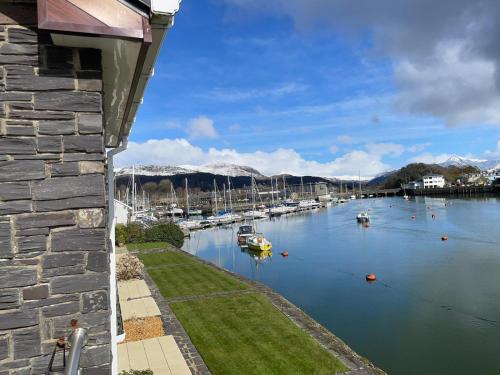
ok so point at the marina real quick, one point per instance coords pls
(433, 307)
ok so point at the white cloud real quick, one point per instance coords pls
(180, 151)
(455, 85)
(201, 127)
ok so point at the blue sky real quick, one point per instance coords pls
(262, 87)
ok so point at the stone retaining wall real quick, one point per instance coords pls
(54, 262)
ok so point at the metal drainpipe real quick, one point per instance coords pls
(112, 258)
(77, 341)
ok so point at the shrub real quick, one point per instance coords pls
(137, 372)
(121, 234)
(165, 232)
(135, 233)
(129, 267)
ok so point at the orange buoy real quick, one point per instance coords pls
(444, 238)
(371, 277)
(284, 253)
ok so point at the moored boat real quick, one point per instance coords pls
(363, 217)
(244, 232)
(258, 242)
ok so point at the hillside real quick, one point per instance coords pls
(416, 171)
(202, 181)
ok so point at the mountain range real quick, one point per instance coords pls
(483, 164)
(222, 169)
(203, 176)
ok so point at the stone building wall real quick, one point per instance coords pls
(54, 264)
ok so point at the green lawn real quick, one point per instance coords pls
(238, 334)
(177, 275)
(247, 335)
(148, 246)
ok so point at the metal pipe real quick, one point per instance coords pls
(77, 341)
(112, 255)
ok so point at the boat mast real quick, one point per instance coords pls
(360, 191)
(224, 190)
(229, 191)
(284, 186)
(272, 191)
(187, 199)
(302, 187)
(215, 197)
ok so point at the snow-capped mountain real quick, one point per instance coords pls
(230, 170)
(483, 164)
(153, 170)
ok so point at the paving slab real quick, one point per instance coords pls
(133, 289)
(160, 354)
(139, 308)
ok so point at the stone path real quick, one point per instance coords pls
(159, 354)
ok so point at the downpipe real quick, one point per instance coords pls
(77, 341)
(112, 257)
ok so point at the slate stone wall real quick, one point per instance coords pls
(54, 264)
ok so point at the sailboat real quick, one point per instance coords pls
(188, 223)
(254, 213)
(363, 216)
(174, 209)
(405, 196)
(257, 241)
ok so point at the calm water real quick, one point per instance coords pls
(435, 308)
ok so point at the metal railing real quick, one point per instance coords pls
(77, 341)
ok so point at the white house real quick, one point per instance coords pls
(122, 212)
(433, 181)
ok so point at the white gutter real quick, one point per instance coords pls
(167, 7)
(112, 256)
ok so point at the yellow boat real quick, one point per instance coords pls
(258, 242)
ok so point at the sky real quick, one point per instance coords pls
(334, 88)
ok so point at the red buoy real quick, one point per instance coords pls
(284, 253)
(371, 277)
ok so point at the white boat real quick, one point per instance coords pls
(353, 197)
(254, 214)
(406, 197)
(258, 242)
(363, 217)
(308, 204)
(174, 210)
(190, 224)
(195, 212)
(244, 232)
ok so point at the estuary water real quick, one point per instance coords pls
(435, 307)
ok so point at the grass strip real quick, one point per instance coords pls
(247, 335)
